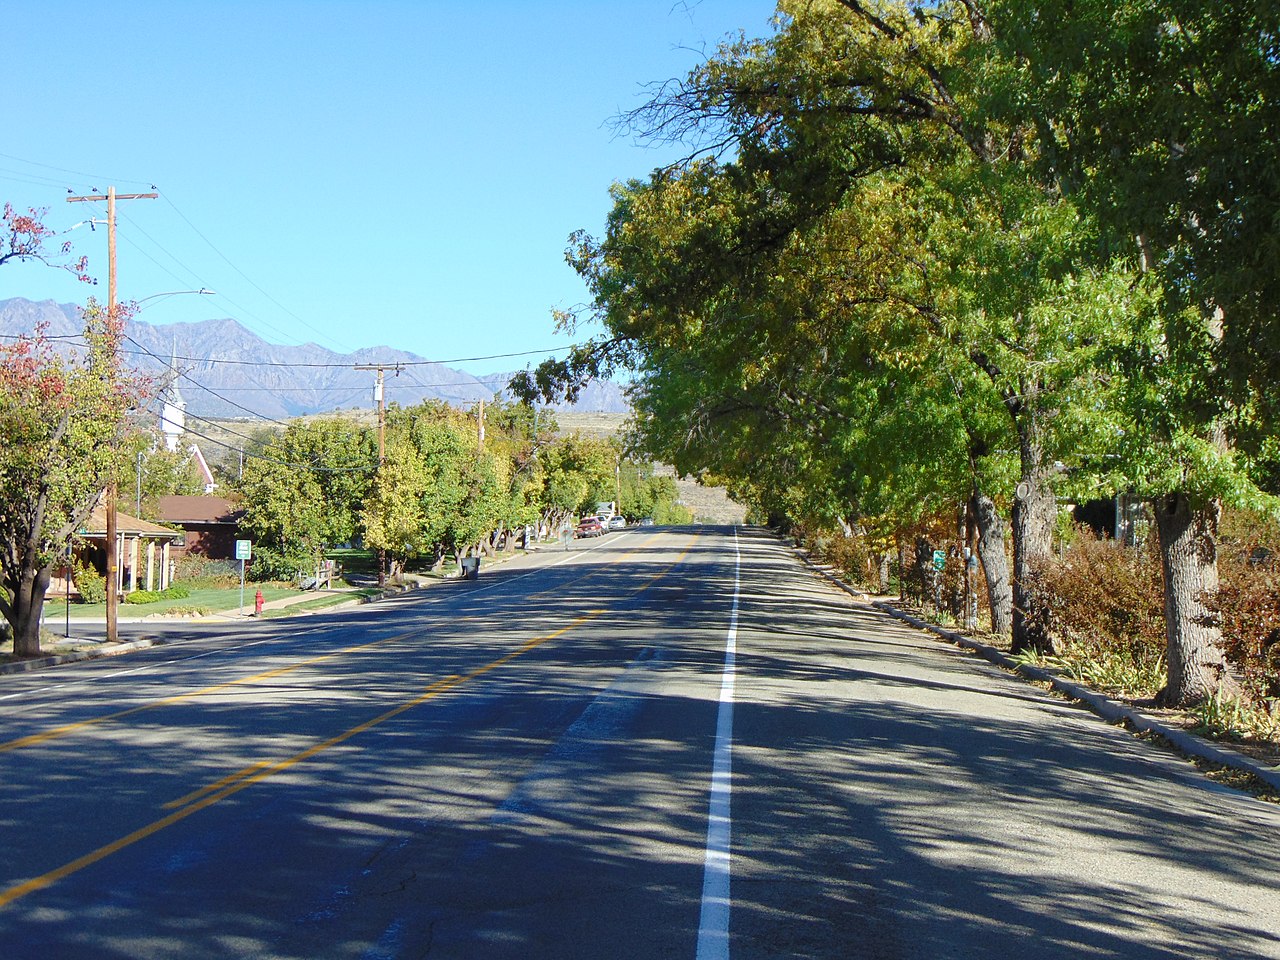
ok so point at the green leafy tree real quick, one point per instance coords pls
(575, 473)
(64, 422)
(1160, 118)
(393, 517)
(465, 494)
(303, 494)
(874, 239)
(162, 473)
(638, 490)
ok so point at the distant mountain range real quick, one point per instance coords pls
(275, 381)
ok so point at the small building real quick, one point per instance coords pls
(142, 548)
(209, 524)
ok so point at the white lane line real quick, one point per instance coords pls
(713, 923)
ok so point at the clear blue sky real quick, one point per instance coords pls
(353, 174)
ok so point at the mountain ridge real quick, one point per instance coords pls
(227, 370)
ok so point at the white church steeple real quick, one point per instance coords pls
(173, 416)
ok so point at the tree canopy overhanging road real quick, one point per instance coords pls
(673, 742)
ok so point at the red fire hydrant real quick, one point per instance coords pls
(257, 603)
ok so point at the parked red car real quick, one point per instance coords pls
(590, 527)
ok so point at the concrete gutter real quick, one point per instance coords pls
(76, 656)
(1110, 710)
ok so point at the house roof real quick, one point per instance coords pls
(180, 509)
(96, 526)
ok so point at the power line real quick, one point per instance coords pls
(285, 334)
(247, 278)
(214, 393)
(201, 281)
(546, 351)
(78, 173)
(75, 341)
(365, 468)
(143, 351)
(17, 176)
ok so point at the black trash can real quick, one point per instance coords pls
(470, 568)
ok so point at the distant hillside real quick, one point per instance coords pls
(709, 504)
(272, 380)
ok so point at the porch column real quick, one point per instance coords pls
(151, 564)
(164, 566)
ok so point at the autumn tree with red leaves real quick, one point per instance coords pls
(63, 420)
(63, 417)
(27, 238)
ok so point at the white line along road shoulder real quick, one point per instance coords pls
(713, 924)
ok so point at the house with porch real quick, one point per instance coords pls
(143, 548)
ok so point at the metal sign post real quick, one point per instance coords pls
(244, 551)
(66, 591)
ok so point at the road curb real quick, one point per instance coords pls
(1110, 710)
(78, 656)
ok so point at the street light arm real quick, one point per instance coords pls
(203, 291)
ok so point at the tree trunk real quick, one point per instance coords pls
(1035, 509)
(995, 562)
(1189, 557)
(27, 606)
(925, 576)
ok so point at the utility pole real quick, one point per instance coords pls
(113, 549)
(480, 428)
(380, 399)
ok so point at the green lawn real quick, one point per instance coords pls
(204, 599)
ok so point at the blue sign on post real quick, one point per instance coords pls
(939, 560)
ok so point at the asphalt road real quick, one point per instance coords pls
(667, 743)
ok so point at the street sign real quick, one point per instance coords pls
(939, 560)
(244, 549)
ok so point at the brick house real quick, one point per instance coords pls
(209, 524)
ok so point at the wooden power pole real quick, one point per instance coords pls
(113, 549)
(381, 400)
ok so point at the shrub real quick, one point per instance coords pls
(1248, 602)
(91, 584)
(1103, 606)
(852, 555)
(204, 572)
(175, 592)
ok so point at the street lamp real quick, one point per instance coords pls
(113, 538)
(203, 291)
